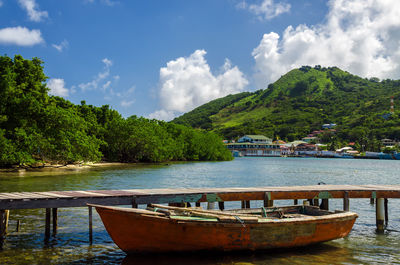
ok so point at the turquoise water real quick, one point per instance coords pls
(71, 244)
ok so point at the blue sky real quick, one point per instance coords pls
(159, 59)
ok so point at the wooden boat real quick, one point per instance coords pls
(166, 228)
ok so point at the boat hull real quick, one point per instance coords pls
(141, 233)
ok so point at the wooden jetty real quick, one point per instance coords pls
(316, 195)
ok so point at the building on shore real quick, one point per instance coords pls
(254, 145)
(388, 143)
(255, 139)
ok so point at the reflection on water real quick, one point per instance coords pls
(315, 254)
(71, 244)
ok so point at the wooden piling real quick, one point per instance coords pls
(134, 203)
(90, 225)
(47, 225)
(198, 204)
(211, 205)
(325, 204)
(386, 212)
(346, 202)
(18, 226)
(55, 220)
(295, 201)
(2, 228)
(372, 201)
(315, 202)
(380, 215)
(3, 221)
(245, 204)
(268, 203)
(221, 205)
(7, 213)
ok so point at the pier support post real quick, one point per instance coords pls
(90, 225)
(47, 225)
(7, 217)
(134, 203)
(267, 201)
(386, 212)
(346, 202)
(296, 201)
(245, 204)
(3, 226)
(55, 220)
(210, 205)
(372, 201)
(315, 202)
(325, 204)
(198, 204)
(18, 226)
(380, 215)
(221, 205)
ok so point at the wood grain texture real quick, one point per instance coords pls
(59, 199)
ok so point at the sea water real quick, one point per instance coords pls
(71, 243)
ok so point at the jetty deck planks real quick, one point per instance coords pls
(59, 199)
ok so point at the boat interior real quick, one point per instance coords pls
(237, 215)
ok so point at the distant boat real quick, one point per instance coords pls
(165, 228)
(342, 155)
(390, 156)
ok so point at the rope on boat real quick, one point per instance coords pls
(240, 220)
(264, 212)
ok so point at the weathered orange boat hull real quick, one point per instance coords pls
(138, 233)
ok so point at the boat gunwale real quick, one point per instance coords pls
(142, 213)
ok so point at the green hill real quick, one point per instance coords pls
(300, 102)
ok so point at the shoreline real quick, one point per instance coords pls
(61, 167)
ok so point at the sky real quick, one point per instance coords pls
(160, 59)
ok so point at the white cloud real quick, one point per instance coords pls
(126, 95)
(127, 103)
(99, 78)
(32, 8)
(359, 36)
(57, 87)
(267, 9)
(104, 2)
(106, 85)
(164, 115)
(107, 62)
(60, 47)
(20, 36)
(186, 83)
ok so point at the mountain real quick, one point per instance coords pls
(300, 102)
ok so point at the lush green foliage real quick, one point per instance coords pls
(200, 117)
(36, 127)
(304, 99)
